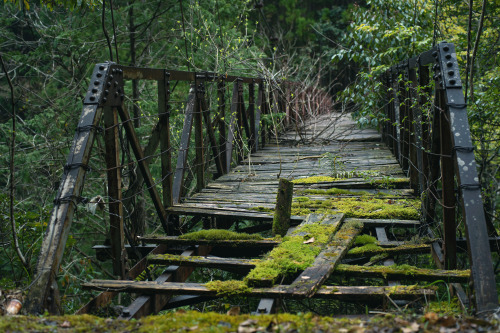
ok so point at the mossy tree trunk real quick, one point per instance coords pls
(283, 210)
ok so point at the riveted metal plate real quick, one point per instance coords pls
(449, 66)
(106, 86)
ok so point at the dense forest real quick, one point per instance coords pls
(48, 49)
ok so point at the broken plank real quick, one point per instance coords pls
(313, 277)
(221, 212)
(373, 223)
(348, 293)
(105, 297)
(405, 272)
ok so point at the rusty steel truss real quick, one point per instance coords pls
(104, 101)
(436, 150)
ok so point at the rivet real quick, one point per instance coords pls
(446, 48)
(111, 77)
(453, 81)
(108, 84)
(94, 90)
(98, 74)
(116, 83)
(106, 92)
(449, 64)
(116, 94)
(97, 83)
(104, 99)
(122, 97)
(451, 73)
(101, 68)
(448, 56)
(434, 54)
(92, 98)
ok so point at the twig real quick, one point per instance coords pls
(12, 171)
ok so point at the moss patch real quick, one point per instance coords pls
(370, 247)
(364, 207)
(315, 179)
(229, 287)
(365, 239)
(220, 234)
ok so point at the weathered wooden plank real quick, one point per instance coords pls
(197, 261)
(403, 249)
(313, 277)
(405, 272)
(221, 212)
(172, 240)
(348, 293)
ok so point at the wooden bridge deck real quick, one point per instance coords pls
(330, 144)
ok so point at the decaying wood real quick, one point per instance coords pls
(350, 293)
(283, 210)
(403, 272)
(312, 277)
(172, 241)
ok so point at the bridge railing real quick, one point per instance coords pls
(229, 127)
(427, 129)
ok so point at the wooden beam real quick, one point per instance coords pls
(314, 276)
(172, 240)
(346, 293)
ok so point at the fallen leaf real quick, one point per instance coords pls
(309, 241)
(447, 321)
(305, 277)
(66, 324)
(234, 311)
(431, 317)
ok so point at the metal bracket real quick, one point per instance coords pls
(106, 87)
(449, 66)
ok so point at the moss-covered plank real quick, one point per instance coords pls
(173, 240)
(312, 277)
(405, 272)
(297, 251)
(349, 293)
(374, 249)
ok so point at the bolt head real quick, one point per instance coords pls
(449, 64)
(101, 68)
(451, 73)
(446, 48)
(94, 90)
(452, 81)
(97, 82)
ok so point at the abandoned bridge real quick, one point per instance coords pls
(301, 198)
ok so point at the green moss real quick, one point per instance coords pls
(315, 179)
(219, 234)
(292, 255)
(229, 287)
(365, 248)
(365, 239)
(364, 207)
(302, 199)
(262, 209)
(334, 191)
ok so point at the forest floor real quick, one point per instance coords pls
(185, 321)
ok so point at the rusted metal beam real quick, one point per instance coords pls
(113, 171)
(42, 293)
(164, 133)
(143, 166)
(183, 147)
